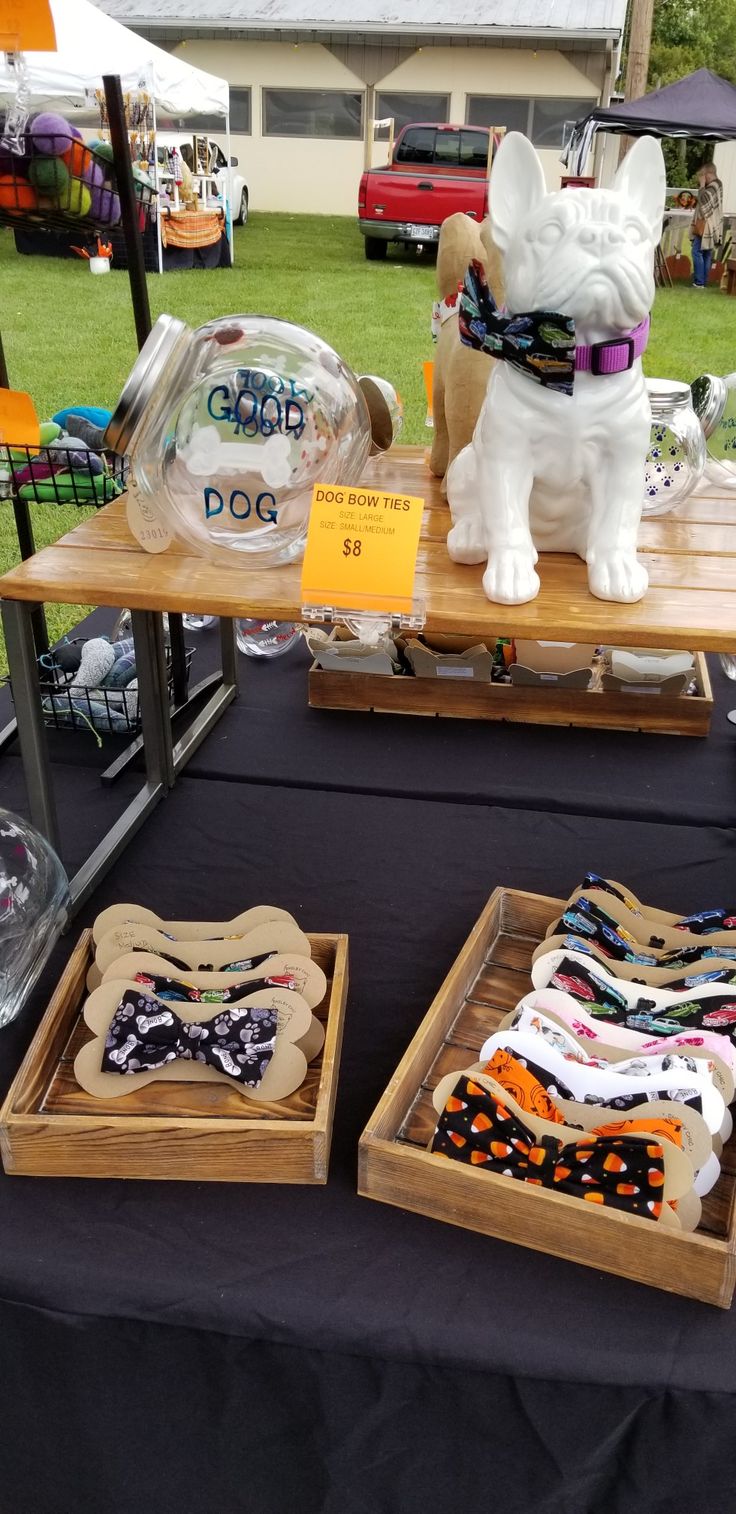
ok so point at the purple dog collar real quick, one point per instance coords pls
(615, 356)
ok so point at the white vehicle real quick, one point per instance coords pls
(227, 179)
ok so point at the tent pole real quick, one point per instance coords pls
(128, 206)
(229, 218)
(159, 253)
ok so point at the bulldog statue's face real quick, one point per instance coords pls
(586, 253)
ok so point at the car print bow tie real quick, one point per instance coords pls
(540, 343)
(623, 1172)
(144, 1036)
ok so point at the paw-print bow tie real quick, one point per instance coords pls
(144, 1036)
(540, 343)
(622, 1172)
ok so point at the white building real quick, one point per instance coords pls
(309, 77)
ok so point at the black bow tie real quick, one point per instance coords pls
(144, 1036)
(541, 343)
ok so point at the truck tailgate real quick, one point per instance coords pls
(413, 197)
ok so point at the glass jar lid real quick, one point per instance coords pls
(709, 400)
(143, 381)
(667, 395)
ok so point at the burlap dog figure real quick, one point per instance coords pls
(460, 374)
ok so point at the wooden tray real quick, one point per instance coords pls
(464, 699)
(49, 1127)
(488, 978)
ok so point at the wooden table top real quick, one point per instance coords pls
(691, 557)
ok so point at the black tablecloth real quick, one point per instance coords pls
(270, 736)
(215, 1349)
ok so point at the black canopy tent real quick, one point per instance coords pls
(701, 105)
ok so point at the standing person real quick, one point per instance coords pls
(706, 227)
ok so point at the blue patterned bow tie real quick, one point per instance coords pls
(540, 344)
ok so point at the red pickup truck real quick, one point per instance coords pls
(435, 170)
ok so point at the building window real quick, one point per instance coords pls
(240, 111)
(445, 148)
(408, 108)
(312, 113)
(499, 110)
(546, 121)
(192, 126)
(553, 119)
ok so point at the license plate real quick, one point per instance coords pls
(424, 233)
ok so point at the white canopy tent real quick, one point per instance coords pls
(90, 44)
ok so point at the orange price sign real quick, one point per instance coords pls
(26, 26)
(361, 551)
(19, 424)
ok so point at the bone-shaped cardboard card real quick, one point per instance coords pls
(308, 978)
(652, 934)
(697, 1141)
(188, 930)
(658, 977)
(678, 1167)
(201, 956)
(600, 1040)
(103, 1001)
(285, 1073)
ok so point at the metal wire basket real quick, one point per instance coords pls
(61, 184)
(59, 475)
(103, 711)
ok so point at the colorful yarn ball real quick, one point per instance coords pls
(16, 195)
(50, 134)
(79, 200)
(77, 158)
(49, 175)
(105, 208)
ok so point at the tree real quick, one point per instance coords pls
(690, 34)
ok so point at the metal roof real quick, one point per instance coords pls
(591, 19)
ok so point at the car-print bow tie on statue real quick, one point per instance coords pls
(557, 460)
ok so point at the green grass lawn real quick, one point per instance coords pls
(69, 337)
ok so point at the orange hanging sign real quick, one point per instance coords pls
(19, 424)
(361, 549)
(26, 26)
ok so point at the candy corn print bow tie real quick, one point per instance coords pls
(145, 1037)
(540, 343)
(620, 1171)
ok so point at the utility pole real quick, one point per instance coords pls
(637, 61)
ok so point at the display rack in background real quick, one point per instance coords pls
(130, 211)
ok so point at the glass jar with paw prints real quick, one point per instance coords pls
(676, 457)
(714, 400)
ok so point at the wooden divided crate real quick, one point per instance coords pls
(466, 699)
(488, 978)
(200, 1131)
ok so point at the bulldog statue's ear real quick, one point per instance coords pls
(642, 177)
(517, 186)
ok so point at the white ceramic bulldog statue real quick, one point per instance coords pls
(547, 470)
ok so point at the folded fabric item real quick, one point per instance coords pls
(174, 989)
(73, 488)
(85, 711)
(515, 1077)
(122, 671)
(624, 1172)
(711, 1011)
(589, 921)
(143, 1037)
(95, 414)
(95, 663)
(703, 923)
